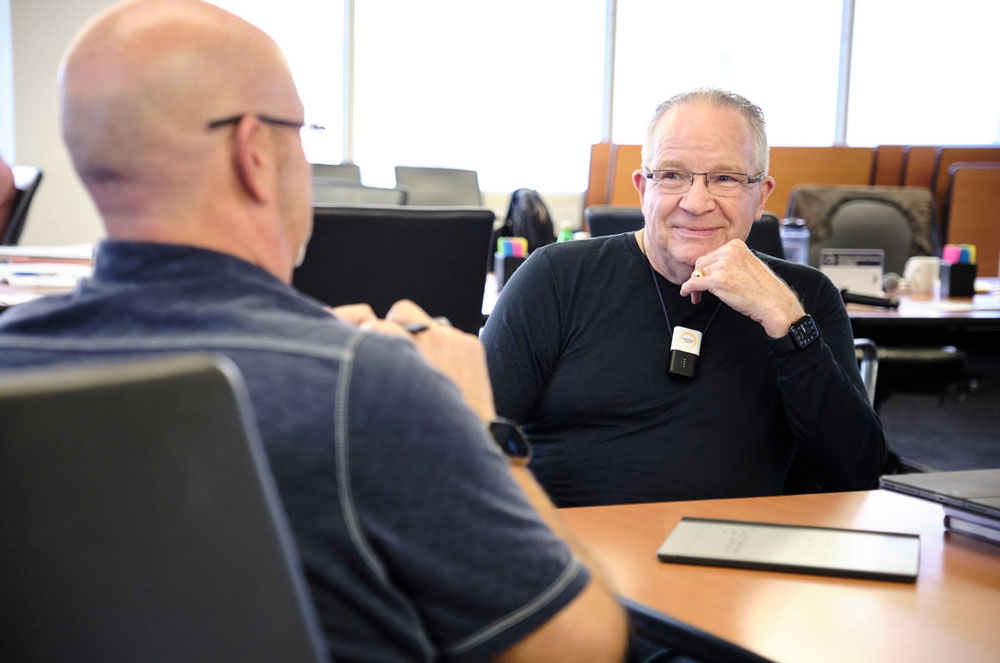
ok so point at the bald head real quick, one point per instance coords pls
(139, 85)
(7, 192)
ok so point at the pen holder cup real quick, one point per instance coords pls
(503, 267)
(958, 279)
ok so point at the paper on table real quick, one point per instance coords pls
(43, 274)
(57, 252)
(978, 303)
(14, 298)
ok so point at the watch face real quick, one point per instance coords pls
(510, 439)
(803, 332)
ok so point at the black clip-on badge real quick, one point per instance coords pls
(684, 350)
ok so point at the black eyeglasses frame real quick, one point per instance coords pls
(267, 119)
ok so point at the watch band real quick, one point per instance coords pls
(510, 439)
(800, 334)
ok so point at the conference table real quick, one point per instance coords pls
(932, 312)
(951, 613)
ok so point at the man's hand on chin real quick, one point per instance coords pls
(737, 277)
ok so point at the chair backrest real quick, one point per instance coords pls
(26, 181)
(869, 224)
(889, 165)
(794, 166)
(945, 157)
(661, 638)
(899, 220)
(346, 192)
(624, 160)
(141, 521)
(867, 354)
(973, 205)
(337, 171)
(918, 165)
(612, 219)
(597, 180)
(440, 186)
(765, 236)
(435, 256)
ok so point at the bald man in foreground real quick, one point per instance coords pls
(420, 541)
(7, 193)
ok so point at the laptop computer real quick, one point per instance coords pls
(141, 521)
(976, 491)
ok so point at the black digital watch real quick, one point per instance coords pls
(802, 332)
(511, 441)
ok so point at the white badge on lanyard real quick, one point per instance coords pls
(684, 350)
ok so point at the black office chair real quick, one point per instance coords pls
(659, 638)
(26, 181)
(141, 522)
(765, 236)
(605, 220)
(866, 353)
(337, 171)
(435, 256)
(453, 187)
(347, 192)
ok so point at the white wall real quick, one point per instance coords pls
(61, 212)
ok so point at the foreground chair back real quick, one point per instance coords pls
(141, 522)
(659, 638)
(435, 256)
(26, 181)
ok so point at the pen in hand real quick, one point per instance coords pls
(417, 327)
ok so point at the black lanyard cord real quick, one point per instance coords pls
(659, 293)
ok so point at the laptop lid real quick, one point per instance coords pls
(141, 521)
(976, 490)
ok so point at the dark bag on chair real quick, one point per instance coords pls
(528, 217)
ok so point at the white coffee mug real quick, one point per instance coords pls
(922, 273)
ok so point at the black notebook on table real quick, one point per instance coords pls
(971, 498)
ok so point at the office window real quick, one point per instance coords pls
(783, 55)
(510, 89)
(924, 73)
(311, 35)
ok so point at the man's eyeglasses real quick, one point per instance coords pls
(303, 127)
(718, 184)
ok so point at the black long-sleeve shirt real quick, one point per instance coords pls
(579, 349)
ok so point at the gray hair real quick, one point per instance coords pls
(721, 99)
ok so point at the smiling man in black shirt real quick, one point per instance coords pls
(590, 343)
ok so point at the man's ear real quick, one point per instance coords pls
(766, 188)
(253, 159)
(639, 182)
